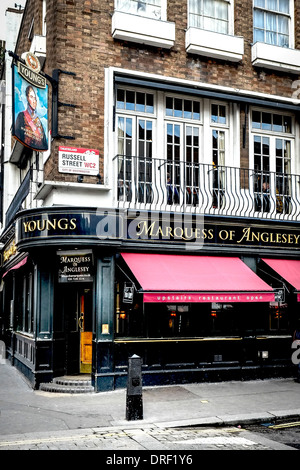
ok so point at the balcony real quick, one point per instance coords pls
(168, 185)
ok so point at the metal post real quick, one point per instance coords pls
(134, 399)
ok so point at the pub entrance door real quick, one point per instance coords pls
(78, 306)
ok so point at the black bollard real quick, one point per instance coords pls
(134, 399)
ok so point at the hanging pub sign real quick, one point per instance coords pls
(30, 104)
(75, 266)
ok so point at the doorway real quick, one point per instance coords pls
(77, 308)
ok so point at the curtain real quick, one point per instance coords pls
(148, 8)
(211, 15)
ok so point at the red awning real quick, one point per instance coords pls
(17, 265)
(180, 278)
(288, 269)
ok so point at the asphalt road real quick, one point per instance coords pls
(284, 431)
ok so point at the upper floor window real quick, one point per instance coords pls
(148, 8)
(212, 15)
(182, 108)
(271, 20)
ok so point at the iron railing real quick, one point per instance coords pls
(164, 185)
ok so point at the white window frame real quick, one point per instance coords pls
(290, 15)
(230, 17)
(163, 7)
(272, 136)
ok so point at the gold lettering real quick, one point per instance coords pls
(51, 224)
(263, 237)
(72, 224)
(181, 233)
(246, 235)
(40, 226)
(186, 235)
(160, 231)
(223, 237)
(169, 232)
(62, 224)
(255, 236)
(31, 226)
(296, 238)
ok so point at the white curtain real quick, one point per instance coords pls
(148, 8)
(211, 15)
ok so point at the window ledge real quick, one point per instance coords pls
(215, 45)
(48, 186)
(275, 57)
(128, 27)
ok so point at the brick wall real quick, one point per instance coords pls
(79, 40)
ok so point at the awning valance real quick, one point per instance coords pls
(186, 278)
(17, 265)
(288, 269)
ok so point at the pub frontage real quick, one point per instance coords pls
(198, 298)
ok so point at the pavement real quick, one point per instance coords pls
(28, 416)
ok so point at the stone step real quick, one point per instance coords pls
(69, 384)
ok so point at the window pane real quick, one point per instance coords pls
(256, 120)
(277, 123)
(259, 3)
(188, 109)
(120, 99)
(284, 6)
(130, 100)
(149, 103)
(266, 121)
(258, 19)
(211, 15)
(259, 36)
(149, 8)
(196, 110)
(169, 106)
(271, 5)
(214, 113)
(287, 124)
(140, 102)
(178, 107)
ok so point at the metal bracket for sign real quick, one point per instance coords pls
(54, 80)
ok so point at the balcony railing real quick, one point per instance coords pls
(169, 185)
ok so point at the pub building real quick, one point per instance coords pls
(198, 299)
(165, 223)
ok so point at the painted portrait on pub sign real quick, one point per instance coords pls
(30, 113)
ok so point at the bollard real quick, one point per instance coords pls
(134, 399)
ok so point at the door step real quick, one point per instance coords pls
(69, 384)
